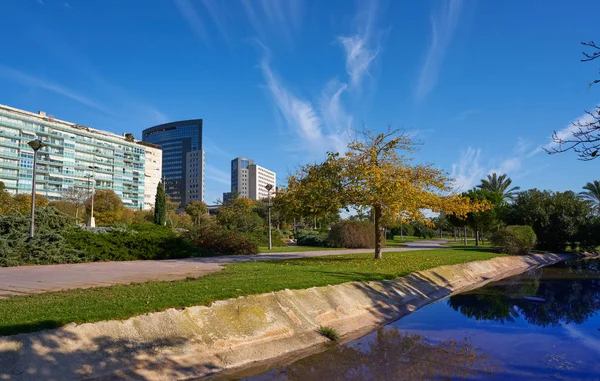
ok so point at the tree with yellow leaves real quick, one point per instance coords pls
(374, 174)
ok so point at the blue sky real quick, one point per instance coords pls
(481, 84)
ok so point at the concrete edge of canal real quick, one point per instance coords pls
(201, 341)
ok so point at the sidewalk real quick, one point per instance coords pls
(24, 280)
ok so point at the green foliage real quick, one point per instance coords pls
(216, 239)
(588, 235)
(48, 245)
(352, 235)
(108, 207)
(421, 230)
(554, 216)
(160, 206)
(329, 332)
(141, 241)
(195, 209)
(514, 240)
(239, 216)
(311, 238)
(500, 184)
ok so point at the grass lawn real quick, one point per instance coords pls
(293, 249)
(51, 310)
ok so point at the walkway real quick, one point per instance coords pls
(24, 280)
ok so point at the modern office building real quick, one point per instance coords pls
(249, 180)
(75, 156)
(183, 158)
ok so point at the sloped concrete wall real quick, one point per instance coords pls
(198, 341)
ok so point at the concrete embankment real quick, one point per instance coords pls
(199, 341)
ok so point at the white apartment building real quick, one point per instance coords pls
(248, 180)
(152, 173)
(259, 178)
(75, 156)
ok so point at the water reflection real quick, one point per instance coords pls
(389, 355)
(564, 294)
(542, 325)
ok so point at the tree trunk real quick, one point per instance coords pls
(465, 235)
(77, 215)
(377, 219)
(476, 237)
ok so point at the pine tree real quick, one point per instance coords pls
(160, 206)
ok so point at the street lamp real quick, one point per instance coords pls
(269, 187)
(92, 220)
(36, 145)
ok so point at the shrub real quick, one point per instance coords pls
(141, 241)
(47, 246)
(216, 239)
(352, 235)
(423, 231)
(589, 235)
(311, 238)
(514, 240)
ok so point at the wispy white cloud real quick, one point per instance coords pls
(443, 26)
(468, 170)
(218, 175)
(467, 113)
(210, 147)
(358, 47)
(275, 18)
(34, 82)
(358, 58)
(314, 132)
(567, 132)
(217, 17)
(192, 17)
(67, 5)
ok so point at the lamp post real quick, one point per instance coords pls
(35, 145)
(269, 187)
(92, 220)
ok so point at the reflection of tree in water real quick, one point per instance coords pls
(570, 293)
(392, 356)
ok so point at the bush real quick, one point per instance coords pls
(216, 239)
(352, 235)
(514, 240)
(422, 231)
(312, 238)
(589, 235)
(407, 230)
(47, 246)
(141, 241)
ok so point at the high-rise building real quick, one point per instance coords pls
(240, 176)
(73, 156)
(183, 158)
(249, 180)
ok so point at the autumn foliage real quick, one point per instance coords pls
(376, 172)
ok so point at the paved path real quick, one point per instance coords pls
(37, 279)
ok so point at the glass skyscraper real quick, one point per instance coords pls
(183, 158)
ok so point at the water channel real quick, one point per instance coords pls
(541, 325)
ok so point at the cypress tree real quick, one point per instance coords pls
(160, 206)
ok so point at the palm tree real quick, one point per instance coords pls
(592, 195)
(501, 184)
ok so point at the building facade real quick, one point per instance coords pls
(195, 176)
(240, 177)
(178, 139)
(74, 156)
(249, 180)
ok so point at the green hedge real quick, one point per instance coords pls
(216, 239)
(352, 235)
(312, 238)
(514, 240)
(139, 241)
